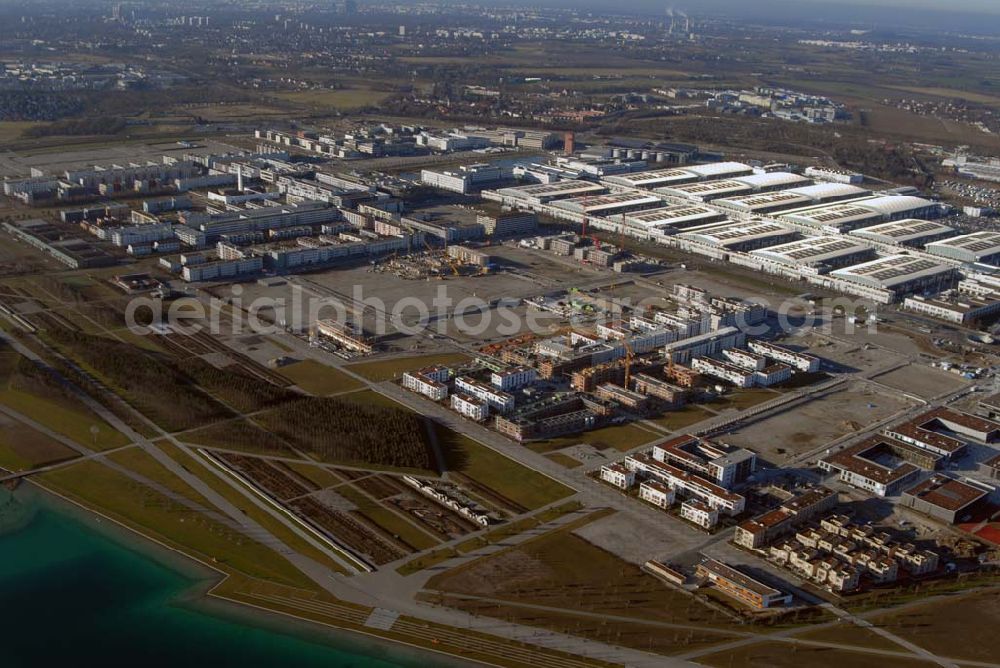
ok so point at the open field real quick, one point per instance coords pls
(149, 511)
(564, 460)
(22, 447)
(344, 99)
(818, 421)
(561, 570)
(390, 369)
(278, 529)
(618, 437)
(501, 475)
(686, 416)
(781, 655)
(319, 379)
(951, 627)
(923, 381)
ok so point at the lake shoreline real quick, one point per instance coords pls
(202, 578)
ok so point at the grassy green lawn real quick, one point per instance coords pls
(23, 448)
(683, 417)
(501, 473)
(564, 460)
(274, 526)
(391, 369)
(621, 437)
(74, 424)
(149, 511)
(319, 379)
(387, 519)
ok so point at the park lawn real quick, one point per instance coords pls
(500, 473)
(138, 460)
(510, 529)
(427, 561)
(392, 522)
(277, 528)
(955, 627)
(152, 513)
(390, 369)
(23, 448)
(782, 655)
(683, 417)
(846, 633)
(564, 460)
(744, 398)
(319, 475)
(621, 437)
(319, 379)
(273, 525)
(73, 423)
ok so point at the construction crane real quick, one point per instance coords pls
(629, 356)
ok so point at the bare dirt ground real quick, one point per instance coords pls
(820, 421)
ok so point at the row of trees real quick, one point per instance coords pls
(348, 432)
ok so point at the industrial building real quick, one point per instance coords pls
(818, 255)
(743, 237)
(982, 247)
(671, 219)
(543, 193)
(835, 175)
(608, 205)
(909, 232)
(660, 178)
(73, 252)
(755, 183)
(959, 308)
(889, 279)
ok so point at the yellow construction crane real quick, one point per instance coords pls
(629, 356)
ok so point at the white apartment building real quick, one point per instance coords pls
(618, 475)
(700, 513)
(470, 407)
(656, 493)
(425, 385)
(498, 400)
(513, 379)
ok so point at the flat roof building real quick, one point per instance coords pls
(879, 464)
(909, 232)
(890, 278)
(816, 254)
(982, 247)
(942, 497)
(670, 219)
(743, 236)
(741, 586)
(833, 218)
(726, 466)
(610, 204)
(542, 193)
